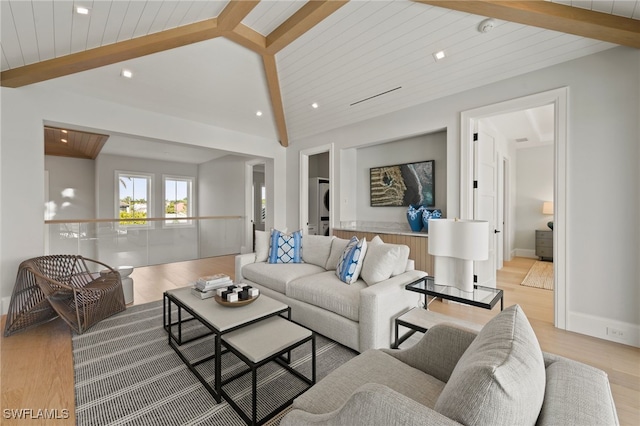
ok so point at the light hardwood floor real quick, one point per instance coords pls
(37, 365)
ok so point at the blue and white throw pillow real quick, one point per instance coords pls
(285, 248)
(350, 263)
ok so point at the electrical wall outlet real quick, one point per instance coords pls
(615, 332)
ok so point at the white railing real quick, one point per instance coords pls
(147, 241)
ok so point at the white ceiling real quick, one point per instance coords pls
(363, 49)
(128, 146)
(527, 128)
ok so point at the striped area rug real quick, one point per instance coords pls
(126, 374)
(540, 276)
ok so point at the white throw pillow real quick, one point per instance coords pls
(380, 262)
(351, 261)
(316, 249)
(262, 245)
(337, 248)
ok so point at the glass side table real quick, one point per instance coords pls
(419, 319)
(481, 297)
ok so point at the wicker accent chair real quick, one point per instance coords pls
(65, 286)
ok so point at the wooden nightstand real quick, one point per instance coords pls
(544, 244)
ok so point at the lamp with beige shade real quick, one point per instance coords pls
(547, 209)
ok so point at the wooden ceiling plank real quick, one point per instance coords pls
(553, 16)
(113, 53)
(79, 144)
(307, 17)
(275, 94)
(234, 12)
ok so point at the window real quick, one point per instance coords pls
(178, 200)
(134, 198)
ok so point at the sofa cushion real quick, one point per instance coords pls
(351, 261)
(326, 291)
(381, 261)
(262, 245)
(285, 248)
(276, 276)
(316, 249)
(337, 248)
(372, 366)
(500, 378)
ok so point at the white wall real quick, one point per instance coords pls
(534, 185)
(602, 150)
(221, 193)
(72, 188)
(431, 146)
(72, 196)
(26, 110)
(222, 184)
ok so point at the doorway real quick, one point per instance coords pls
(316, 190)
(469, 122)
(256, 202)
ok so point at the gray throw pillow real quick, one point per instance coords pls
(500, 379)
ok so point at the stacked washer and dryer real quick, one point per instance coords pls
(318, 206)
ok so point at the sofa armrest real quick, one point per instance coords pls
(380, 304)
(576, 393)
(372, 404)
(242, 260)
(438, 351)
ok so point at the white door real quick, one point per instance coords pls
(485, 200)
(500, 212)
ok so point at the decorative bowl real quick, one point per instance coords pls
(223, 302)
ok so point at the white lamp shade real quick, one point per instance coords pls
(547, 207)
(461, 239)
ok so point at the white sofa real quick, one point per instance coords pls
(358, 315)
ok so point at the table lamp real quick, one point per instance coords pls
(547, 208)
(455, 244)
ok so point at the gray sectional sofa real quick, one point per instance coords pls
(358, 315)
(454, 376)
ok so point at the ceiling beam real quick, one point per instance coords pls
(110, 54)
(553, 16)
(234, 12)
(307, 17)
(273, 83)
(228, 24)
(249, 38)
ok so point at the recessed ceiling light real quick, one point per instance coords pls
(82, 10)
(259, 113)
(64, 131)
(63, 140)
(314, 105)
(439, 55)
(126, 73)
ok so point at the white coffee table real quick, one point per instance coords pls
(263, 342)
(237, 329)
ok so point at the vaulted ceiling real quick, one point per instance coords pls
(219, 62)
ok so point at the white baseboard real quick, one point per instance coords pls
(5, 305)
(525, 253)
(604, 328)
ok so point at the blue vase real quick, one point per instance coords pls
(430, 214)
(414, 217)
